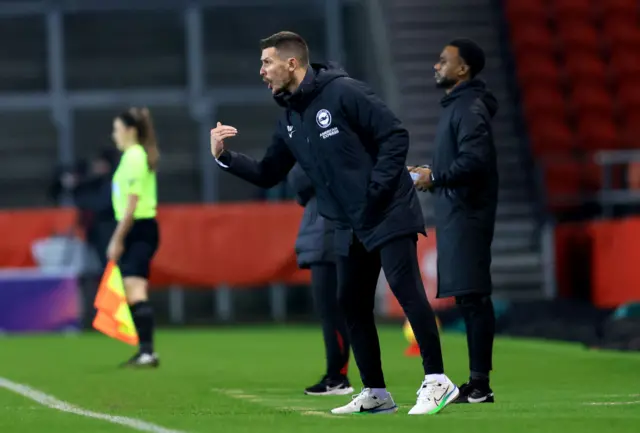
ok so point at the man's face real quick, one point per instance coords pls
(451, 69)
(275, 71)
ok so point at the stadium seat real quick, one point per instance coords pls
(541, 101)
(532, 38)
(594, 101)
(518, 11)
(578, 35)
(593, 48)
(628, 96)
(572, 9)
(550, 135)
(562, 180)
(619, 7)
(583, 68)
(622, 34)
(625, 65)
(597, 132)
(631, 130)
(537, 70)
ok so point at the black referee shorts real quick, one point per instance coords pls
(140, 246)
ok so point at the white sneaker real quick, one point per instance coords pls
(433, 396)
(367, 402)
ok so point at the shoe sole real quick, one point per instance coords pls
(141, 366)
(373, 412)
(450, 398)
(467, 400)
(340, 391)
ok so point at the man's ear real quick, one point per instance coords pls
(292, 64)
(464, 69)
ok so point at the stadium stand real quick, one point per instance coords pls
(577, 63)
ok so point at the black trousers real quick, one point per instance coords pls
(324, 286)
(480, 322)
(357, 280)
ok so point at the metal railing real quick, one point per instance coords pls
(201, 100)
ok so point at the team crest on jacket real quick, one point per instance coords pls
(323, 118)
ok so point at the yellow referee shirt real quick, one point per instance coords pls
(133, 176)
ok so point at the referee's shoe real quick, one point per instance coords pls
(143, 360)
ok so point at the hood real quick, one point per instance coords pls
(318, 76)
(476, 87)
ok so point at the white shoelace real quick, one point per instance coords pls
(427, 390)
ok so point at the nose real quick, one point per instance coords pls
(436, 67)
(262, 72)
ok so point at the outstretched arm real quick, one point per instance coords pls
(266, 173)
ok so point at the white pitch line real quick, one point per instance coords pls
(612, 403)
(241, 395)
(53, 403)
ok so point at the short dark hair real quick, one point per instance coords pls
(471, 53)
(288, 41)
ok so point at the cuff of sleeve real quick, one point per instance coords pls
(225, 160)
(434, 180)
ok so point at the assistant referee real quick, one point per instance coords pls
(135, 239)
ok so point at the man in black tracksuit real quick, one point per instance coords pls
(314, 250)
(353, 148)
(464, 182)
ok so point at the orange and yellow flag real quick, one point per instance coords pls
(113, 317)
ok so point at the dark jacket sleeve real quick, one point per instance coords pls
(379, 124)
(301, 185)
(266, 173)
(474, 149)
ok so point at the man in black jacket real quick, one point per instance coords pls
(314, 250)
(464, 182)
(353, 148)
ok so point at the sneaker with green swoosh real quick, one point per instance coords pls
(434, 395)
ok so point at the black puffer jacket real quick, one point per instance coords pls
(315, 236)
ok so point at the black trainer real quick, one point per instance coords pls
(475, 392)
(143, 360)
(329, 386)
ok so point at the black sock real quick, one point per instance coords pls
(143, 318)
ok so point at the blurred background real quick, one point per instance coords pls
(565, 72)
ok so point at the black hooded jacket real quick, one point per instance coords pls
(314, 244)
(465, 180)
(352, 147)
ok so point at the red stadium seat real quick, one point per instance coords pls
(631, 129)
(578, 35)
(619, 7)
(532, 38)
(594, 101)
(572, 9)
(628, 96)
(597, 132)
(537, 69)
(540, 100)
(518, 11)
(550, 135)
(583, 68)
(625, 65)
(622, 31)
(562, 180)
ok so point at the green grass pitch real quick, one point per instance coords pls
(251, 380)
